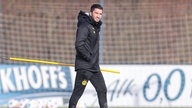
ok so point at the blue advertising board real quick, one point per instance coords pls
(34, 81)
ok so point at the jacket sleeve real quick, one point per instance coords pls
(81, 44)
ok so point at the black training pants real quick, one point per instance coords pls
(97, 80)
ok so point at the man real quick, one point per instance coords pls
(87, 56)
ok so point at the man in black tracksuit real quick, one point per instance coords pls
(87, 56)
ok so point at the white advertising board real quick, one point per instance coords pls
(145, 85)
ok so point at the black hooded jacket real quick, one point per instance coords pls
(87, 43)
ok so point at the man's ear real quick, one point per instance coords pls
(90, 13)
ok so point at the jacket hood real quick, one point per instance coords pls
(85, 17)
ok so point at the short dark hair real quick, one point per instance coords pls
(94, 6)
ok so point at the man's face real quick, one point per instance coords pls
(96, 14)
